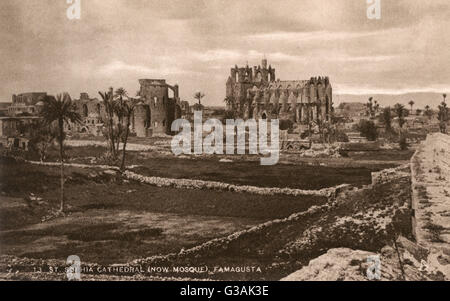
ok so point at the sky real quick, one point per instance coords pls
(195, 43)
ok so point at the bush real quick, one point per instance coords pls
(368, 129)
(386, 118)
(390, 136)
(109, 159)
(402, 143)
(341, 137)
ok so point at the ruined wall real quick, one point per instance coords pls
(28, 98)
(26, 103)
(163, 108)
(93, 114)
(142, 120)
(430, 169)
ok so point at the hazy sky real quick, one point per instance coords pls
(195, 43)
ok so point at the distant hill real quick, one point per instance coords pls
(420, 99)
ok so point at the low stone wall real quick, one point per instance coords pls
(430, 176)
(360, 147)
(77, 165)
(200, 184)
(216, 245)
(130, 146)
(390, 174)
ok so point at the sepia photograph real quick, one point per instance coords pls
(193, 141)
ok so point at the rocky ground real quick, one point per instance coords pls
(401, 262)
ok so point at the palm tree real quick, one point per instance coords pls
(60, 110)
(387, 118)
(199, 96)
(443, 117)
(119, 109)
(128, 109)
(121, 93)
(400, 111)
(427, 111)
(370, 106)
(411, 103)
(109, 107)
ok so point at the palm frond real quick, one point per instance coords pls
(58, 108)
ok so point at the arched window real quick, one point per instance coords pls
(85, 110)
(258, 77)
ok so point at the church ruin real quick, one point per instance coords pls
(160, 105)
(157, 107)
(256, 93)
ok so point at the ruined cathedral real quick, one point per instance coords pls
(256, 93)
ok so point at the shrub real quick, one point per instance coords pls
(402, 143)
(341, 137)
(108, 159)
(368, 129)
(386, 118)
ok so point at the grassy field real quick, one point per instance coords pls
(111, 220)
(292, 171)
(355, 221)
(252, 173)
(108, 236)
(304, 173)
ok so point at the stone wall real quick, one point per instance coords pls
(390, 174)
(430, 170)
(214, 185)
